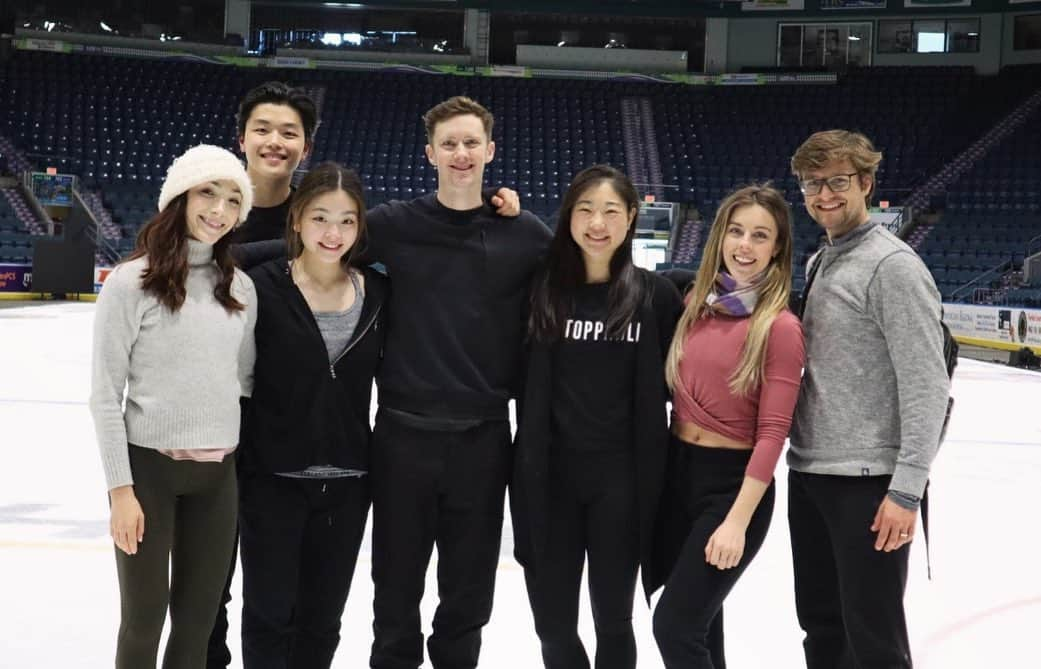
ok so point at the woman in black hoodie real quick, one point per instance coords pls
(592, 432)
(304, 489)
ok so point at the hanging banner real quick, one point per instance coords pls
(506, 71)
(34, 44)
(772, 5)
(927, 4)
(853, 4)
(291, 62)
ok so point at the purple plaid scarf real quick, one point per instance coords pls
(726, 298)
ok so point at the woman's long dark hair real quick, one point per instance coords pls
(164, 240)
(552, 298)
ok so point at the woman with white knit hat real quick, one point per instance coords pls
(174, 327)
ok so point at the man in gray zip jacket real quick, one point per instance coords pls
(867, 423)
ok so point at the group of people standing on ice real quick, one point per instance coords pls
(235, 352)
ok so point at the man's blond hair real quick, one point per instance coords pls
(827, 146)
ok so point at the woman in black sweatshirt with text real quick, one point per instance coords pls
(304, 488)
(592, 432)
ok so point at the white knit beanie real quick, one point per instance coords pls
(201, 164)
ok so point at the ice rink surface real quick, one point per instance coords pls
(59, 605)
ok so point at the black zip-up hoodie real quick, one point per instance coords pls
(305, 411)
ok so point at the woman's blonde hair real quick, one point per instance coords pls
(774, 289)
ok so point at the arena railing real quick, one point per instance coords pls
(971, 286)
(103, 245)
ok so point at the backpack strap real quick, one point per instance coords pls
(815, 265)
(924, 506)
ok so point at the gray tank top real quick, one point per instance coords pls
(337, 327)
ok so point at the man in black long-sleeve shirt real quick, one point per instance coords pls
(441, 445)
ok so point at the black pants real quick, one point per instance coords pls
(848, 596)
(703, 484)
(299, 541)
(218, 655)
(189, 510)
(443, 488)
(592, 511)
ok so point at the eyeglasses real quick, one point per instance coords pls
(836, 184)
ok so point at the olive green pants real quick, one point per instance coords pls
(190, 511)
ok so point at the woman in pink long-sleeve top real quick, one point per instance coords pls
(734, 368)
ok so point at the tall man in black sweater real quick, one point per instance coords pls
(276, 125)
(441, 445)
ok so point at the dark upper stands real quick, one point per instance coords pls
(118, 122)
(993, 212)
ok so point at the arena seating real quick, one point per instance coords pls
(15, 239)
(118, 122)
(992, 214)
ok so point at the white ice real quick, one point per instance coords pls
(59, 603)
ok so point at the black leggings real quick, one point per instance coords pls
(703, 484)
(299, 544)
(592, 511)
(189, 510)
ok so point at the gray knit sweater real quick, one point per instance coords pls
(875, 386)
(183, 372)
